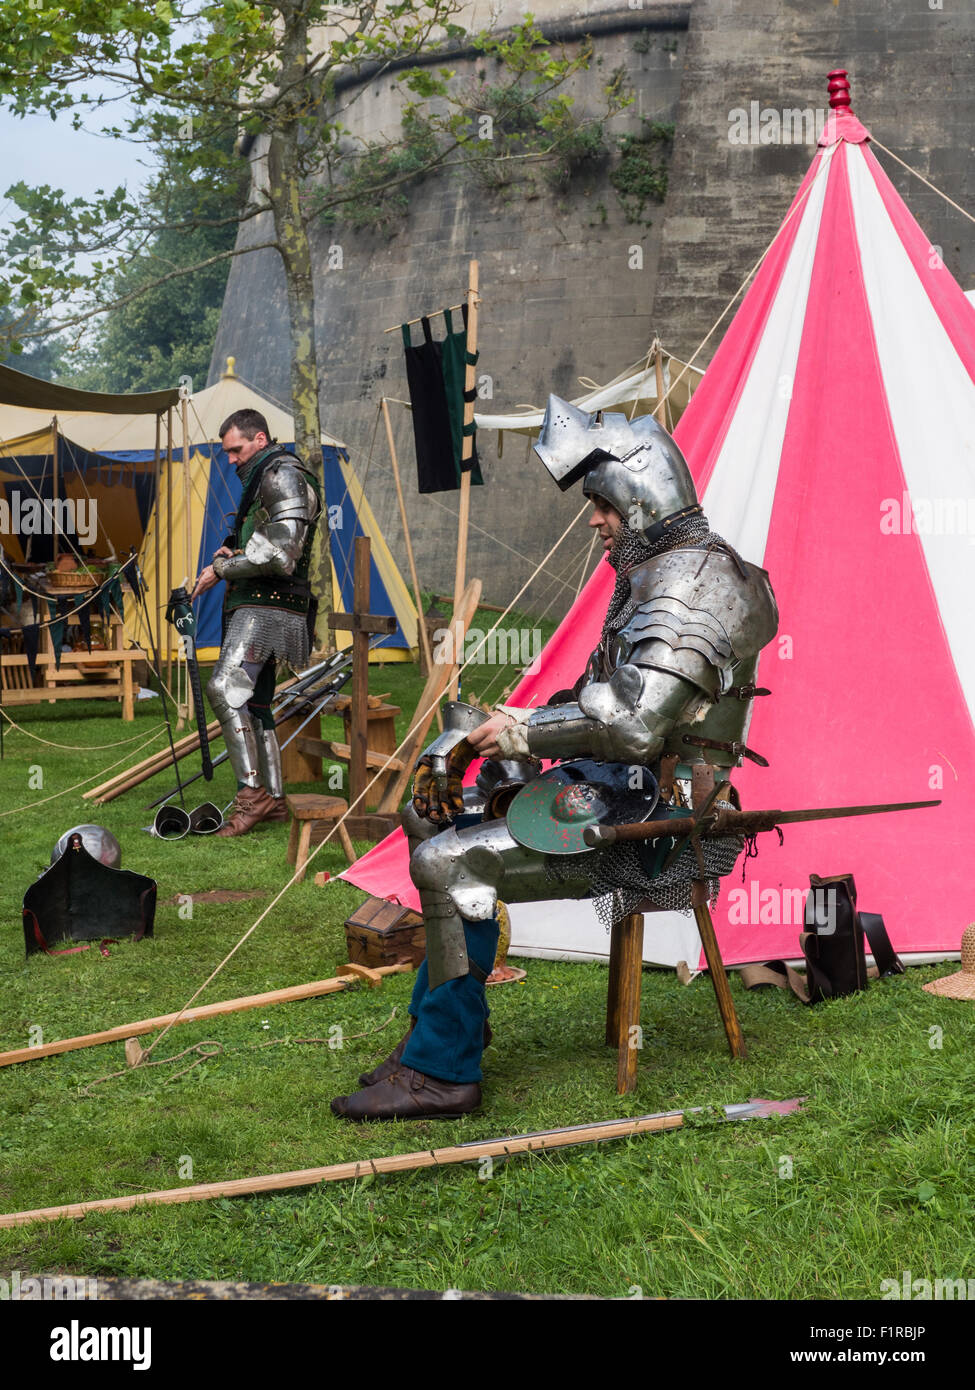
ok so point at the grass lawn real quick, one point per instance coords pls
(875, 1176)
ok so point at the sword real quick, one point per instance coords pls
(179, 612)
(715, 823)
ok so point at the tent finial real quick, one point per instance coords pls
(231, 370)
(839, 88)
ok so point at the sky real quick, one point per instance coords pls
(39, 150)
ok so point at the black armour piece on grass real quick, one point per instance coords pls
(80, 899)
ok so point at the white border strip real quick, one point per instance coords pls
(739, 498)
(931, 399)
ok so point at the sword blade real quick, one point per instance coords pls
(737, 822)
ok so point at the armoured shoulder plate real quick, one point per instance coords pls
(286, 494)
(696, 603)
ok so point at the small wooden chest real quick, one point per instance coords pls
(383, 933)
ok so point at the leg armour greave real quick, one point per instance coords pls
(268, 757)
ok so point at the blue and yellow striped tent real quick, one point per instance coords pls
(110, 459)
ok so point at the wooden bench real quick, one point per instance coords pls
(111, 669)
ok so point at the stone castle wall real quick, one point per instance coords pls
(911, 66)
(561, 299)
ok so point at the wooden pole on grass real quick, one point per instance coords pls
(360, 1168)
(347, 977)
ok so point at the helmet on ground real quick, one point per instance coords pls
(100, 843)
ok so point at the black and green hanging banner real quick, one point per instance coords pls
(436, 373)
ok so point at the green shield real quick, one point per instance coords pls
(552, 811)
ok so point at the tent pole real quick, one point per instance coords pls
(169, 534)
(421, 625)
(661, 410)
(54, 508)
(157, 499)
(464, 515)
(189, 566)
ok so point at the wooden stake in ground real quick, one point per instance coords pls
(467, 455)
(472, 1152)
(347, 976)
(362, 624)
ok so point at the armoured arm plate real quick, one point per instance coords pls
(288, 508)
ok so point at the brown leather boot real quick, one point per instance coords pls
(279, 811)
(251, 805)
(392, 1062)
(409, 1095)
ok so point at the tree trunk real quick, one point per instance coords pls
(284, 189)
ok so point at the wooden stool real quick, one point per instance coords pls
(308, 809)
(623, 998)
(626, 979)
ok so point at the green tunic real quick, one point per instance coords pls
(292, 593)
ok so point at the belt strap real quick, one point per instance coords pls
(782, 976)
(888, 961)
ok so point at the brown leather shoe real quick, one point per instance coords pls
(409, 1095)
(251, 805)
(392, 1062)
(279, 810)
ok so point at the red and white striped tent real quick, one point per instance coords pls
(832, 440)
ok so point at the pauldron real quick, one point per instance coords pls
(700, 614)
(288, 507)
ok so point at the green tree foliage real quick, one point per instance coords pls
(193, 76)
(640, 177)
(167, 332)
(45, 357)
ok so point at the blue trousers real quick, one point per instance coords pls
(448, 1039)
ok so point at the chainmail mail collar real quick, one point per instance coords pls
(630, 549)
(247, 471)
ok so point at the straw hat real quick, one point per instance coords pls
(962, 984)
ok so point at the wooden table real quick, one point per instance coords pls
(98, 675)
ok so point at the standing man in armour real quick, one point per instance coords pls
(673, 673)
(268, 608)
